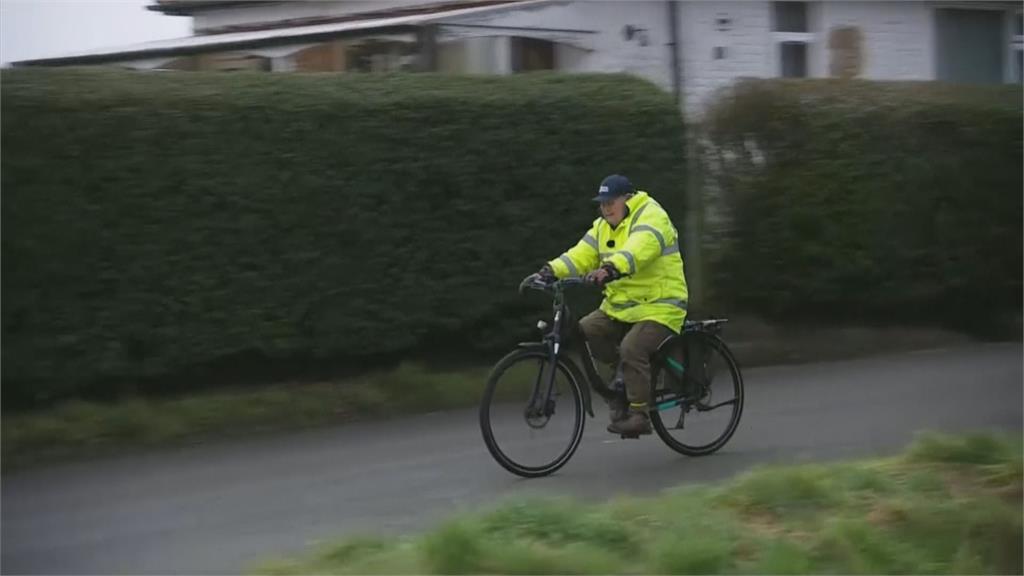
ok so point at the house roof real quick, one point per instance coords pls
(189, 7)
(432, 8)
(204, 43)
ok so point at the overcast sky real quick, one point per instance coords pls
(44, 28)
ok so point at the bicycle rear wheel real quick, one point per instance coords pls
(700, 416)
(531, 445)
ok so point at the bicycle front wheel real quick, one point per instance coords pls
(531, 443)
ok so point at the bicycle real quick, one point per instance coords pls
(546, 382)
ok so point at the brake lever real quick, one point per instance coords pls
(540, 284)
(534, 281)
(526, 283)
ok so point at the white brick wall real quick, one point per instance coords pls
(646, 55)
(897, 42)
(747, 43)
(898, 37)
(605, 50)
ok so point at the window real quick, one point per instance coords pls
(531, 54)
(790, 16)
(970, 45)
(383, 54)
(324, 57)
(475, 55)
(793, 38)
(793, 56)
(451, 57)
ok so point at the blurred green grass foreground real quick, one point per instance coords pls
(948, 505)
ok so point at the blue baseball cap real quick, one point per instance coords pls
(612, 187)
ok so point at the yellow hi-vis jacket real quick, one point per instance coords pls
(645, 248)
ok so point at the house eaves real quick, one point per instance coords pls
(434, 8)
(190, 7)
(262, 38)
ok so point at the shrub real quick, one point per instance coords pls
(866, 200)
(155, 222)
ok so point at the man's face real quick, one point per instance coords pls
(614, 210)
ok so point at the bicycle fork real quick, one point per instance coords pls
(541, 403)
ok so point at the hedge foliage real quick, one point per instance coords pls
(866, 200)
(156, 221)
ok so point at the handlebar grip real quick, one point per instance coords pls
(537, 282)
(525, 283)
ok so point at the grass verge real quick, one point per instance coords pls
(77, 428)
(949, 505)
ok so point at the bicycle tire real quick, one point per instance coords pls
(737, 377)
(502, 366)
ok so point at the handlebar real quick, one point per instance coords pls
(536, 282)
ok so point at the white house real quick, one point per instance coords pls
(690, 48)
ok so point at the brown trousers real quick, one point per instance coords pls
(638, 342)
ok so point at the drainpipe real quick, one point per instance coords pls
(694, 210)
(677, 66)
(427, 46)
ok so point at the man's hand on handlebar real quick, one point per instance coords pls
(603, 275)
(545, 276)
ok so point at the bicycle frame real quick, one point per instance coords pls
(552, 345)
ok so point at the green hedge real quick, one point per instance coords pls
(154, 222)
(872, 201)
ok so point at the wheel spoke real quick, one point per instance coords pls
(702, 408)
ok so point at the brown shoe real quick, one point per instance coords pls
(618, 409)
(635, 424)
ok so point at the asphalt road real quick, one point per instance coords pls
(221, 508)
